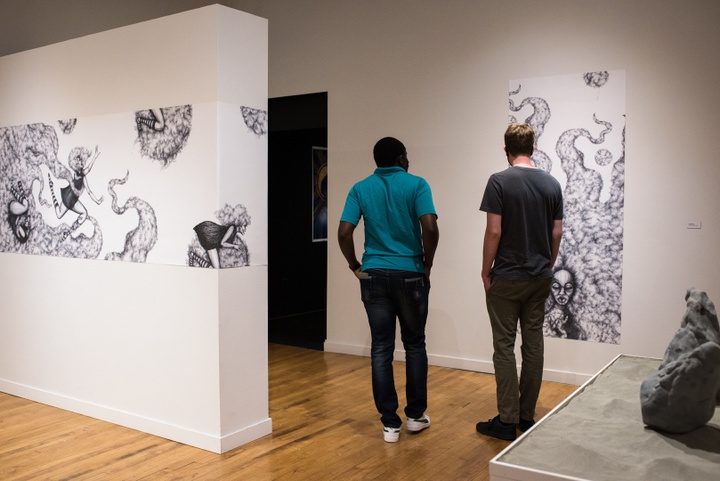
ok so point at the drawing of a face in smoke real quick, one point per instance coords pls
(560, 319)
(593, 233)
(563, 287)
(220, 245)
(564, 120)
(256, 120)
(163, 132)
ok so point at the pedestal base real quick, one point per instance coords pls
(598, 434)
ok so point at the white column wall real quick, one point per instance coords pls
(242, 80)
(435, 75)
(175, 351)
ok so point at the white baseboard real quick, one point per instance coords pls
(245, 435)
(347, 349)
(155, 427)
(465, 364)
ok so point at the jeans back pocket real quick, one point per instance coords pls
(416, 289)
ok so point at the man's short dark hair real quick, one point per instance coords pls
(519, 139)
(387, 150)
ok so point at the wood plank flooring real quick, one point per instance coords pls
(325, 428)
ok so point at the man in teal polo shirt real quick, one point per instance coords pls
(401, 236)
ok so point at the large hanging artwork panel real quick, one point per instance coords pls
(139, 186)
(579, 123)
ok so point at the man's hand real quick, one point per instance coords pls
(430, 238)
(487, 280)
(493, 232)
(347, 246)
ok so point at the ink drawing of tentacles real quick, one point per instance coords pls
(537, 120)
(23, 150)
(163, 132)
(593, 234)
(256, 120)
(139, 241)
(582, 183)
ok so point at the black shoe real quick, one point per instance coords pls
(497, 429)
(524, 424)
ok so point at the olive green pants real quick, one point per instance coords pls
(511, 304)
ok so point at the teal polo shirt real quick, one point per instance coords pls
(391, 202)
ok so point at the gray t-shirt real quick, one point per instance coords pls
(529, 201)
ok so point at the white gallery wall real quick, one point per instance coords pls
(435, 74)
(172, 350)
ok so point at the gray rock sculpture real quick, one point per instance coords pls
(681, 396)
(701, 322)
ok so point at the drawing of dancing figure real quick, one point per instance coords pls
(80, 161)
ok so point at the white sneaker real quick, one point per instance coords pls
(391, 435)
(417, 425)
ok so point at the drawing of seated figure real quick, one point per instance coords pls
(213, 236)
(220, 244)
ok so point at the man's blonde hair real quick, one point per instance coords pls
(519, 139)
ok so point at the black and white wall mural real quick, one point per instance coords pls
(162, 133)
(256, 120)
(579, 122)
(139, 186)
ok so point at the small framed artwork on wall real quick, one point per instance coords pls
(319, 199)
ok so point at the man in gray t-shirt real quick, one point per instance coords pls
(522, 239)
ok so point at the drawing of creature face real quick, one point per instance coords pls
(563, 287)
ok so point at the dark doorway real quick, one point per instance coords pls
(297, 264)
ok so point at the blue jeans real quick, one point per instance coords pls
(387, 295)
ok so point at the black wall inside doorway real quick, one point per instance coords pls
(297, 266)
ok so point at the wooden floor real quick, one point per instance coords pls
(324, 428)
